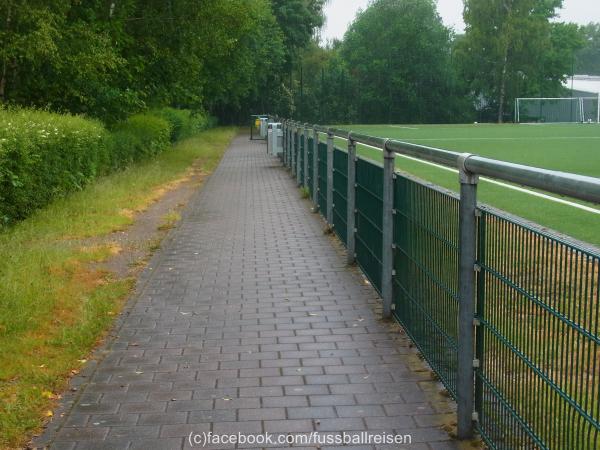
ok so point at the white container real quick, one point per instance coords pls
(275, 139)
(263, 127)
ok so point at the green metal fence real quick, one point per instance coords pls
(537, 384)
(322, 177)
(426, 273)
(301, 153)
(524, 362)
(368, 217)
(309, 156)
(340, 189)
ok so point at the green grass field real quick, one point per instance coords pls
(566, 147)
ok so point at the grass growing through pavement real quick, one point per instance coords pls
(55, 306)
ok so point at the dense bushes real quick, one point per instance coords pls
(139, 137)
(45, 156)
(184, 123)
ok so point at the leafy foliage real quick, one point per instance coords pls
(111, 59)
(399, 55)
(588, 58)
(512, 49)
(394, 64)
(44, 156)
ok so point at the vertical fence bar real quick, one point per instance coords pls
(305, 157)
(330, 146)
(294, 149)
(466, 283)
(351, 200)
(315, 171)
(284, 131)
(299, 151)
(289, 149)
(479, 329)
(387, 229)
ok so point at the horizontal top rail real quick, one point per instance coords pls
(580, 187)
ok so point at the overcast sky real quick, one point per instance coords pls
(341, 12)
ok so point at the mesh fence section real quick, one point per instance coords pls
(426, 273)
(538, 381)
(537, 343)
(309, 155)
(301, 159)
(369, 215)
(295, 149)
(322, 180)
(340, 192)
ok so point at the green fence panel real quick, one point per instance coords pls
(369, 215)
(301, 153)
(322, 180)
(309, 155)
(296, 145)
(426, 273)
(538, 343)
(340, 191)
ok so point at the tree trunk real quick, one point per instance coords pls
(4, 62)
(3, 81)
(507, 37)
(502, 87)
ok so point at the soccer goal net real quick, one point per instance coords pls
(556, 110)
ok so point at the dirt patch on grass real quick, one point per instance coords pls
(131, 248)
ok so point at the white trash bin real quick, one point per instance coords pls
(275, 139)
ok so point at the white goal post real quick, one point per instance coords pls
(558, 110)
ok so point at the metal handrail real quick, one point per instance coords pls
(580, 187)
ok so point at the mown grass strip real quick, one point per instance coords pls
(55, 307)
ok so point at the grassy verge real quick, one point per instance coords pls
(55, 305)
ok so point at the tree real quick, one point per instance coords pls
(588, 58)
(398, 54)
(109, 59)
(59, 54)
(511, 47)
(298, 20)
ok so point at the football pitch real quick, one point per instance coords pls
(565, 147)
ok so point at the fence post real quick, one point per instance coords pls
(293, 149)
(387, 229)
(299, 155)
(329, 175)
(351, 201)
(289, 145)
(315, 171)
(466, 283)
(284, 131)
(305, 159)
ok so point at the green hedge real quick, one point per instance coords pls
(44, 155)
(139, 137)
(185, 123)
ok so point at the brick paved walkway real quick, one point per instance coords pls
(248, 320)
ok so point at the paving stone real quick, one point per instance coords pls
(312, 412)
(261, 414)
(248, 321)
(287, 401)
(349, 424)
